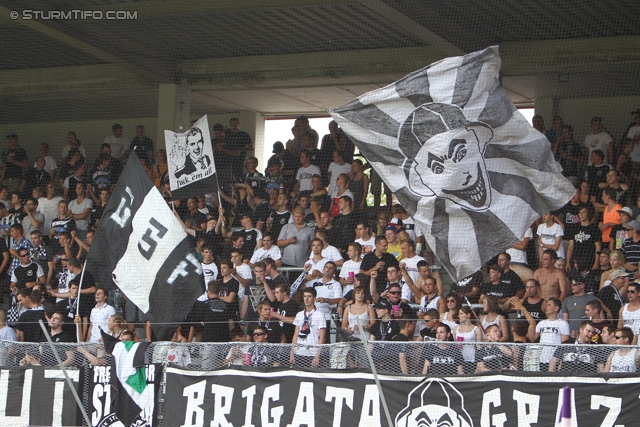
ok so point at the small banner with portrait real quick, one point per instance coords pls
(192, 171)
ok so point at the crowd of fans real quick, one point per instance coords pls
(572, 279)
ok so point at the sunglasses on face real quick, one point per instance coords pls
(258, 334)
(395, 293)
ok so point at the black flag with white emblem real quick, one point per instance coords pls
(142, 244)
(459, 157)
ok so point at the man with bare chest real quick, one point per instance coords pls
(553, 282)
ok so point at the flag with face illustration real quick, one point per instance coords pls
(459, 157)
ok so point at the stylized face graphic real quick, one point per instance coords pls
(451, 166)
(433, 416)
(194, 145)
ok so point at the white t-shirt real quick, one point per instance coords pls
(331, 253)
(347, 267)
(306, 343)
(335, 170)
(598, 142)
(100, 318)
(209, 272)
(367, 245)
(551, 332)
(261, 253)
(518, 256)
(118, 145)
(304, 176)
(78, 208)
(548, 236)
(49, 208)
(319, 266)
(329, 290)
(8, 334)
(412, 267)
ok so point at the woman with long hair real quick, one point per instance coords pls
(450, 317)
(468, 331)
(358, 309)
(117, 325)
(491, 307)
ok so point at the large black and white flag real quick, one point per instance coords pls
(142, 245)
(459, 157)
(192, 171)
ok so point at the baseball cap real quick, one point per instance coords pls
(12, 135)
(636, 111)
(596, 119)
(383, 304)
(632, 224)
(626, 210)
(605, 251)
(278, 147)
(248, 215)
(618, 273)
(392, 228)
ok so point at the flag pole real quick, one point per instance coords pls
(475, 315)
(78, 337)
(66, 375)
(374, 371)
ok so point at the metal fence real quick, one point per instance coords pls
(412, 358)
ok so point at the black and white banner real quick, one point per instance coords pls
(39, 397)
(142, 244)
(461, 159)
(101, 411)
(192, 171)
(237, 397)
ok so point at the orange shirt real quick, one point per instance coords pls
(613, 217)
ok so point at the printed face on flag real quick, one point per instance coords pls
(459, 157)
(420, 410)
(449, 164)
(191, 168)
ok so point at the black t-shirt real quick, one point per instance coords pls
(610, 297)
(570, 219)
(535, 310)
(212, 239)
(272, 325)
(226, 289)
(278, 280)
(384, 331)
(263, 356)
(370, 260)
(64, 336)
(493, 358)
(467, 284)
(262, 212)
(580, 357)
(195, 219)
(444, 361)
(280, 219)
(28, 324)
(500, 291)
(69, 307)
(584, 246)
(288, 309)
(250, 242)
(310, 221)
(513, 280)
(216, 321)
(346, 225)
(256, 293)
(596, 175)
(12, 170)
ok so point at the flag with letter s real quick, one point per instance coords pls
(141, 246)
